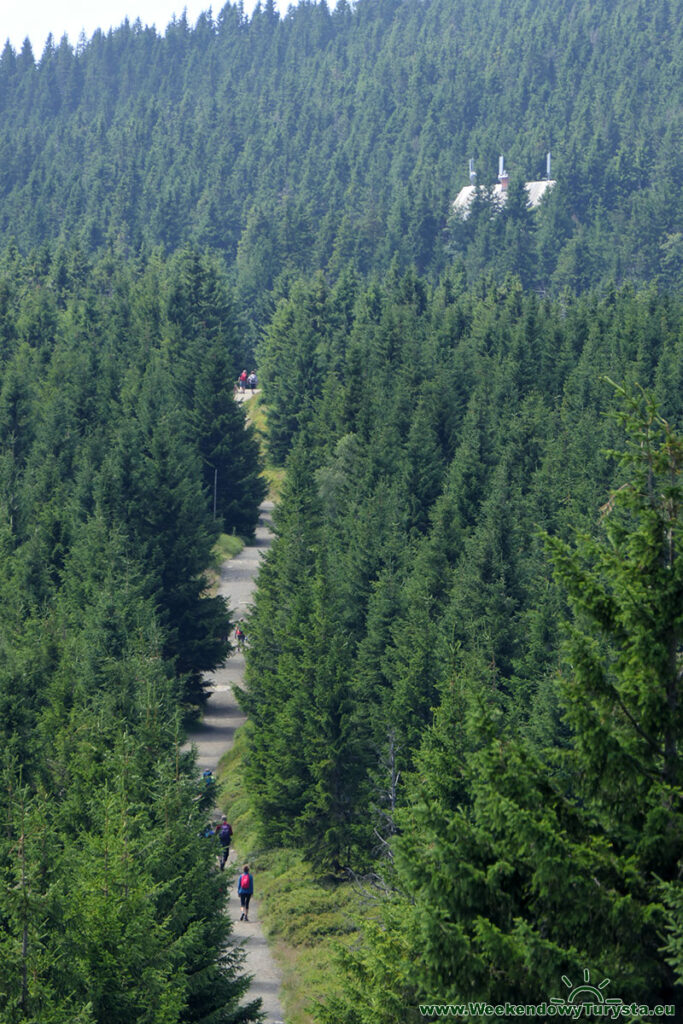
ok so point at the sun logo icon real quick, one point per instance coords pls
(585, 993)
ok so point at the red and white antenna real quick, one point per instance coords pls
(502, 173)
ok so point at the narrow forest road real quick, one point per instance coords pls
(216, 734)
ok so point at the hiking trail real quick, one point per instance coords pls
(216, 734)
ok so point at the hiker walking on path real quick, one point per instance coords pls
(224, 833)
(245, 889)
(215, 734)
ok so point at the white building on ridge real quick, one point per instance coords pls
(535, 189)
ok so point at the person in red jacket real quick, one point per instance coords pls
(245, 889)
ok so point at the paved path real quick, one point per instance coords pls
(244, 396)
(216, 734)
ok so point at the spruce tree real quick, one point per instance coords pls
(150, 481)
(277, 692)
(516, 866)
(231, 461)
(333, 739)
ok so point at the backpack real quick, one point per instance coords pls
(225, 834)
(244, 882)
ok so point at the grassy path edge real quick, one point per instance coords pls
(306, 919)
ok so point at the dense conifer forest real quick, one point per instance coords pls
(466, 646)
(116, 402)
(329, 139)
(414, 715)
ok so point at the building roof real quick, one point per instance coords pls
(535, 190)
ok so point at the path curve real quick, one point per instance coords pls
(216, 734)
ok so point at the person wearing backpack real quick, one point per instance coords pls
(224, 833)
(245, 889)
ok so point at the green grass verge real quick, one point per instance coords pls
(256, 415)
(274, 477)
(255, 411)
(227, 546)
(305, 918)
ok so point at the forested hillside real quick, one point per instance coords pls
(464, 672)
(111, 418)
(326, 139)
(444, 449)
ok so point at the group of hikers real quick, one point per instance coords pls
(245, 882)
(247, 381)
(223, 829)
